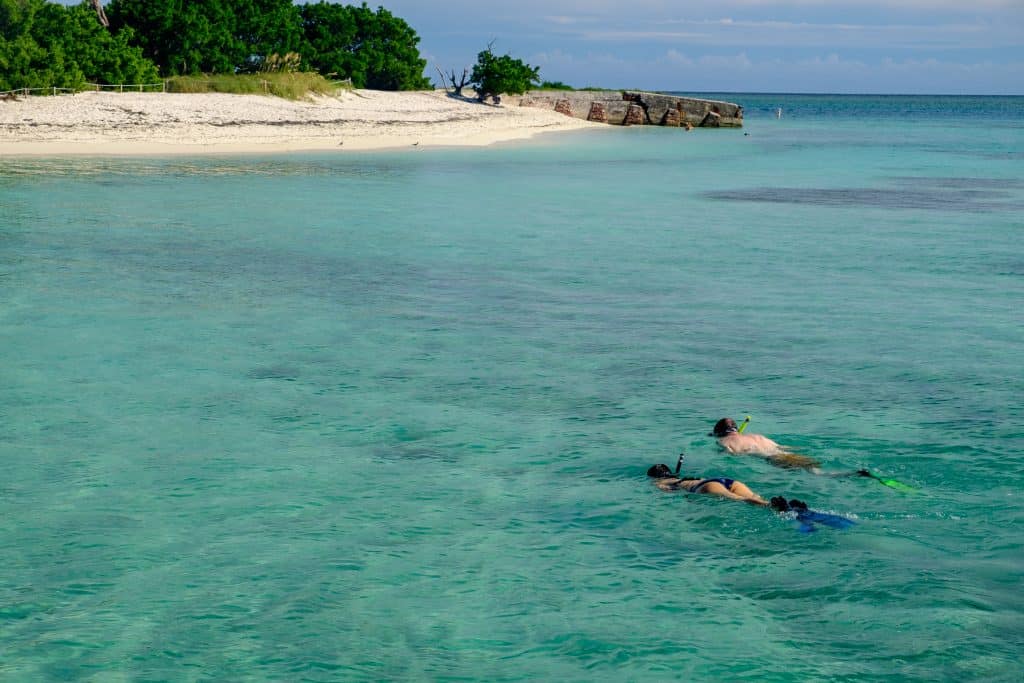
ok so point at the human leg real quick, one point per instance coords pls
(742, 490)
(733, 493)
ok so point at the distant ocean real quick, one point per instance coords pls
(334, 417)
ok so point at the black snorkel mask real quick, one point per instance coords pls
(663, 471)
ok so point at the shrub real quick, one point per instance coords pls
(493, 75)
(289, 85)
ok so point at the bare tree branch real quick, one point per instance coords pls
(100, 14)
(457, 85)
(444, 83)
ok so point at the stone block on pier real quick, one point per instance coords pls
(634, 116)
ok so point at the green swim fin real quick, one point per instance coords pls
(891, 483)
(898, 485)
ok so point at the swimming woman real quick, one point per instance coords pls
(716, 486)
(724, 487)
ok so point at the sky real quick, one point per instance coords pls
(791, 46)
(960, 47)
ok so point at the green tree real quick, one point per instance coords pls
(91, 49)
(493, 75)
(23, 62)
(208, 36)
(268, 27)
(329, 40)
(375, 49)
(43, 44)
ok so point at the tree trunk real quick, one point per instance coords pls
(100, 14)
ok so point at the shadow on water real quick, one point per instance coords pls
(944, 197)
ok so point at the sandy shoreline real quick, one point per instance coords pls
(101, 123)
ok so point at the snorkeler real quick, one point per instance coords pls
(731, 438)
(667, 480)
(807, 520)
(726, 488)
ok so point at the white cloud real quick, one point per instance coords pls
(731, 32)
(826, 72)
(892, 5)
(565, 20)
(648, 8)
(629, 36)
(730, 62)
(676, 58)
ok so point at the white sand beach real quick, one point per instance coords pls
(98, 123)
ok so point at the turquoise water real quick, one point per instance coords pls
(387, 416)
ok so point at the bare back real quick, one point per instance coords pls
(757, 444)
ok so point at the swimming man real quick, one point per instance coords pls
(730, 439)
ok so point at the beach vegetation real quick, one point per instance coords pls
(375, 49)
(494, 76)
(215, 36)
(23, 62)
(554, 85)
(292, 85)
(44, 44)
(286, 63)
(50, 45)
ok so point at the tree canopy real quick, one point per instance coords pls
(46, 44)
(209, 36)
(493, 75)
(375, 49)
(43, 44)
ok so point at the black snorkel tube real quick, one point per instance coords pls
(679, 463)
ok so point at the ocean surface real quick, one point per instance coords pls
(336, 417)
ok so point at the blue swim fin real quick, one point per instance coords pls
(826, 518)
(805, 527)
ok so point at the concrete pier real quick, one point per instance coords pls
(635, 108)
